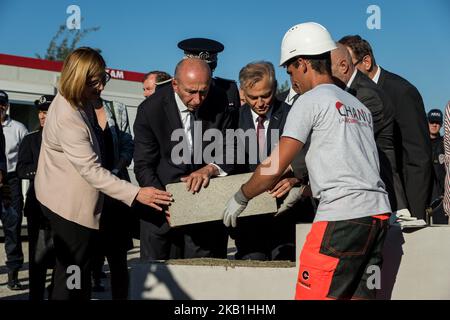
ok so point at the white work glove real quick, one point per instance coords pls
(400, 215)
(404, 219)
(234, 208)
(292, 198)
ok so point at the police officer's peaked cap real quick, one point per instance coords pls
(199, 45)
(435, 116)
(205, 49)
(44, 102)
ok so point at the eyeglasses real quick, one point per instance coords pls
(357, 62)
(95, 83)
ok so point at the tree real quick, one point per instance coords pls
(283, 87)
(59, 50)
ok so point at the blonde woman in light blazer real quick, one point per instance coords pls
(70, 181)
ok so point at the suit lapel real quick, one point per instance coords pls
(247, 119)
(275, 121)
(355, 84)
(246, 123)
(89, 120)
(174, 120)
(39, 139)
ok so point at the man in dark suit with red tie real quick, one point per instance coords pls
(262, 119)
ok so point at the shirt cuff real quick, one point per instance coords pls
(221, 172)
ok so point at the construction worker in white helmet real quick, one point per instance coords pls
(352, 216)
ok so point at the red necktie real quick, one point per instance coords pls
(261, 136)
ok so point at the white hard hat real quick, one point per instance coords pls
(307, 38)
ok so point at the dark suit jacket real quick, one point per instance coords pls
(27, 163)
(278, 117)
(156, 119)
(232, 93)
(412, 140)
(380, 105)
(283, 95)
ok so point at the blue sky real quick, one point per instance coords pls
(414, 39)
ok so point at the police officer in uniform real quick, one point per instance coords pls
(39, 234)
(435, 120)
(207, 50)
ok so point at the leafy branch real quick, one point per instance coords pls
(64, 42)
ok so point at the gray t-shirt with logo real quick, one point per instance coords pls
(342, 159)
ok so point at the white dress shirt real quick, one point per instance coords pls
(14, 133)
(376, 77)
(186, 121)
(266, 124)
(290, 97)
(266, 120)
(349, 83)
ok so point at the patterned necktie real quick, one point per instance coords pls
(192, 119)
(261, 136)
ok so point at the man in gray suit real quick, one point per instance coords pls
(263, 237)
(11, 210)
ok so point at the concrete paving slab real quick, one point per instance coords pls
(209, 203)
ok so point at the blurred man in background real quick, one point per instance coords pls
(152, 80)
(14, 132)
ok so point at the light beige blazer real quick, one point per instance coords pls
(69, 179)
